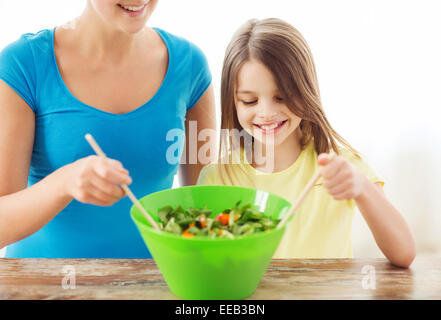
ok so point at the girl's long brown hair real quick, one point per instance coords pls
(284, 51)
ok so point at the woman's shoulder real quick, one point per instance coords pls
(25, 49)
(191, 62)
(30, 41)
(181, 45)
(41, 36)
(22, 60)
(177, 40)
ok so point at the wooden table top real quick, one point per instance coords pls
(284, 279)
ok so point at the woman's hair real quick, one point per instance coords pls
(284, 51)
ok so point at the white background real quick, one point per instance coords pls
(379, 68)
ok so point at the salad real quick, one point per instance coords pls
(232, 222)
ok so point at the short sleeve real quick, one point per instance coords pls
(200, 75)
(17, 69)
(363, 166)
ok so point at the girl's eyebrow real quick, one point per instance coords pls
(277, 92)
(245, 91)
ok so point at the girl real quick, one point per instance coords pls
(127, 84)
(270, 96)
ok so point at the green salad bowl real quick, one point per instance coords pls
(202, 268)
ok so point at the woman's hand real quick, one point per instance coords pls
(95, 180)
(342, 180)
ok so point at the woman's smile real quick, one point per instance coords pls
(132, 9)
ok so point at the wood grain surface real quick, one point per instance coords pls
(284, 279)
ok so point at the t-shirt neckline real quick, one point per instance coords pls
(110, 114)
(291, 168)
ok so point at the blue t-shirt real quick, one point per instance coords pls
(138, 139)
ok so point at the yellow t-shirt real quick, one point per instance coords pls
(322, 226)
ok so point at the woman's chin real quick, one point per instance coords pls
(132, 28)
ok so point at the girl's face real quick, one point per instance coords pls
(127, 15)
(260, 108)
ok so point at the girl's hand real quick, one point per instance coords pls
(95, 180)
(342, 180)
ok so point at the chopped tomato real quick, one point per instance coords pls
(187, 234)
(203, 221)
(223, 218)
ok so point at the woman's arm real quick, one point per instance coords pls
(24, 211)
(20, 207)
(201, 119)
(391, 232)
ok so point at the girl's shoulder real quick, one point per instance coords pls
(209, 174)
(352, 157)
(361, 163)
(215, 172)
(347, 153)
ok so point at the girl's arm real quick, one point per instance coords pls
(388, 227)
(201, 117)
(391, 232)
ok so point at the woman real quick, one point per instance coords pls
(127, 84)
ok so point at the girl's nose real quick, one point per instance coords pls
(266, 110)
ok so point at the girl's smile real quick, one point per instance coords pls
(261, 110)
(270, 128)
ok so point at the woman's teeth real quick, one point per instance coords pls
(132, 8)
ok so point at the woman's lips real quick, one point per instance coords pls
(132, 13)
(274, 127)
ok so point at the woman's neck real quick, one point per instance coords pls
(94, 38)
(279, 159)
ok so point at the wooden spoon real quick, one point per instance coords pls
(304, 193)
(132, 197)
